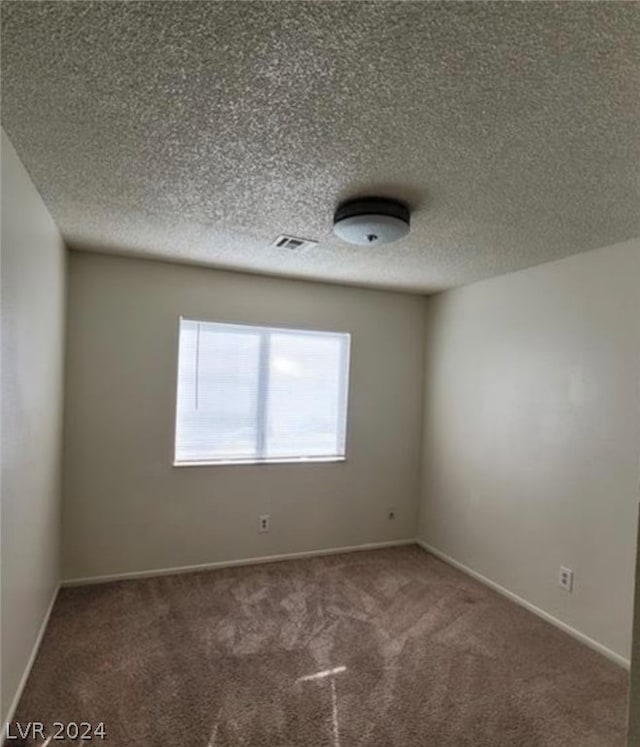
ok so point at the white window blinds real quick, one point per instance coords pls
(250, 394)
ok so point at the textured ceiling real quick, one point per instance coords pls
(199, 131)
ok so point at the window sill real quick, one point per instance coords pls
(244, 462)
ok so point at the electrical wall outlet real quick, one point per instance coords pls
(391, 513)
(263, 523)
(565, 578)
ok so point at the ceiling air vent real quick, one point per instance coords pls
(292, 242)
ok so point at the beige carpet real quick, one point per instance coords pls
(381, 648)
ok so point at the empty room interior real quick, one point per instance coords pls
(320, 373)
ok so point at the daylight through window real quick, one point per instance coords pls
(254, 394)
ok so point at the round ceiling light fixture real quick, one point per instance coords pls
(371, 221)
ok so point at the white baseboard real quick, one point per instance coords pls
(599, 647)
(232, 563)
(32, 658)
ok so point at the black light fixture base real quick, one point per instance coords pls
(372, 206)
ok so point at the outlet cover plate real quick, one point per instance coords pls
(565, 578)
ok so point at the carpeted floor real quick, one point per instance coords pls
(381, 648)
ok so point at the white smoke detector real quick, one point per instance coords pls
(370, 221)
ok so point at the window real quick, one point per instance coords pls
(260, 394)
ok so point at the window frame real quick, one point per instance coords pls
(345, 386)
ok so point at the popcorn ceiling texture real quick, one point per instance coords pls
(199, 131)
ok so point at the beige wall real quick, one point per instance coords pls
(532, 434)
(33, 298)
(126, 509)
